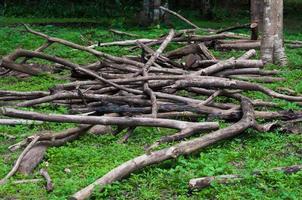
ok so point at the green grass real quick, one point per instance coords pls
(92, 156)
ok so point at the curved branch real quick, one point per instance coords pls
(183, 148)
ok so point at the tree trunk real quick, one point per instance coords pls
(279, 50)
(151, 12)
(156, 11)
(206, 11)
(272, 47)
(257, 12)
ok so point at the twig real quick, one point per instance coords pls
(49, 185)
(146, 67)
(183, 148)
(18, 122)
(7, 136)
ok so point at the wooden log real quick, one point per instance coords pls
(31, 159)
(121, 121)
(223, 83)
(231, 63)
(200, 183)
(239, 46)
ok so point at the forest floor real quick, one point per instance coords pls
(92, 156)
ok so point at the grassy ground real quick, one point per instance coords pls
(93, 156)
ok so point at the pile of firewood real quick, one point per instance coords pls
(155, 89)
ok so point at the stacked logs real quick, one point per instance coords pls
(155, 89)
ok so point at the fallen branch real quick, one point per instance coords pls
(18, 122)
(183, 148)
(231, 28)
(121, 121)
(200, 183)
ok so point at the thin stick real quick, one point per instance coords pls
(18, 122)
(212, 97)
(184, 148)
(179, 16)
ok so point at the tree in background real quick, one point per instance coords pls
(272, 45)
(257, 12)
(206, 10)
(151, 12)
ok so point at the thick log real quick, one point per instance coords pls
(223, 83)
(118, 32)
(122, 43)
(32, 158)
(35, 155)
(121, 121)
(231, 63)
(239, 46)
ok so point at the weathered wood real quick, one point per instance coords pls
(183, 148)
(122, 121)
(200, 183)
(17, 164)
(49, 184)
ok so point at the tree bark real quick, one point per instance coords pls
(272, 47)
(151, 12)
(257, 12)
(183, 148)
(200, 183)
(279, 50)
